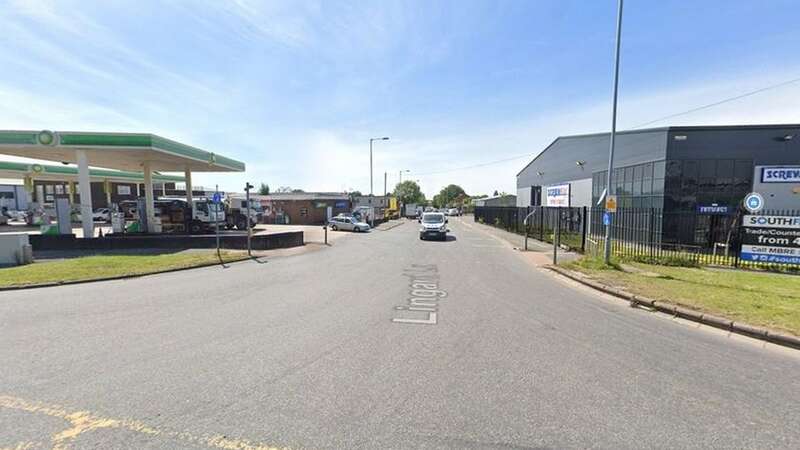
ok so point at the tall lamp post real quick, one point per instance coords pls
(607, 249)
(385, 138)
(401, 174)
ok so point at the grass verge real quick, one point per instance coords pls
(769, 300)
(107, 266)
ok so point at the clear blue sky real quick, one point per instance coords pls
(295, 88)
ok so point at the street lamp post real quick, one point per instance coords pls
(607, 248)
(385, 138)
(401, 174)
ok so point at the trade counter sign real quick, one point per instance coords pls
(774, 239)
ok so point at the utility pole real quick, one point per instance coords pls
(385, 138)
(385, 174)
(247, 187)
(607, 249)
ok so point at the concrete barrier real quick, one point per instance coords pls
(15, 249)
(135, 241)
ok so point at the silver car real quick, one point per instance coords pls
(347, 223)
(433, 225)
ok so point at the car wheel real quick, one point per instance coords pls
(356, 230)
(241, 224)
(195, 227)
(333, 228)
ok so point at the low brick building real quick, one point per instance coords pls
(305, 208)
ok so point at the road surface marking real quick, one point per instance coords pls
(424, 295)
(83, 421)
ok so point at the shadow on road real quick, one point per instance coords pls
(448, 238)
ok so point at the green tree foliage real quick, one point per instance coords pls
(263, 189)
(409, 192)
(450, 195)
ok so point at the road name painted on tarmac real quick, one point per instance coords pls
(422, 306)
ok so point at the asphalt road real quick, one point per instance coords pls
(303, 352)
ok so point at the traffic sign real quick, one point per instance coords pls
(754, 202)
(217, 198)
(611, 203)
(606, 218)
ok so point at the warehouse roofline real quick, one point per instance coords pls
(664, 129)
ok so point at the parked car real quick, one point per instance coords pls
(98, 215)
(347, 223)
(453, 212)
(433, 225)
(101, 215)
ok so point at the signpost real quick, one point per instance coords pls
(217, 199)
(247, 187)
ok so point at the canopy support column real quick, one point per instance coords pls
(107, 191)
(85, 187)
(188, 175)
(148, 197)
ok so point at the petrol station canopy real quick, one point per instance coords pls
(9, 169)
(121, 151)
(132, 152)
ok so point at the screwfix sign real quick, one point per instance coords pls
(789, 174)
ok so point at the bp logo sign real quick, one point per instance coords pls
(754, 202)
(46, 137)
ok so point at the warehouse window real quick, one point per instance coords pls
(637, 186)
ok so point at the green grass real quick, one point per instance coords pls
(759, 298)
(104, 266)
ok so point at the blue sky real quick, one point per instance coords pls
(296, 88)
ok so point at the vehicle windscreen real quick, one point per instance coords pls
(432, 218)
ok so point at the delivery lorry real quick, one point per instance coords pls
(236, 212)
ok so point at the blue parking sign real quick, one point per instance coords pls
(217, 198)
(606, 218)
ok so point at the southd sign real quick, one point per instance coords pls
(771, 239)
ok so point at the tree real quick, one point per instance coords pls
(283, 190)
(263, 189)
(353, 195)
(450, 195)
(409, 192)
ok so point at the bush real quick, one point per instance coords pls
(595, 263)
(666, 260)
(498, 222)
(481, 221)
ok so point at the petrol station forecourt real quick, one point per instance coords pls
(129, 152)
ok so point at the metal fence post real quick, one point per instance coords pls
(583, 229)
(556, 234)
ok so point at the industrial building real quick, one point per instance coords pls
(303, 208)
(672, 168)
(701, 170)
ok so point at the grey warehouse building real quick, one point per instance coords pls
(705, 170)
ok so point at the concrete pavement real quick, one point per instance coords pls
(306, 352)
